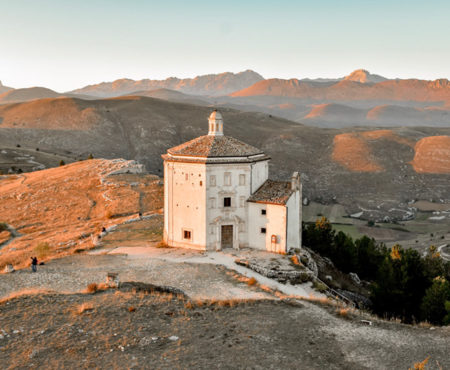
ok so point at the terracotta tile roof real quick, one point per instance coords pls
(210, 146)
(274, 192)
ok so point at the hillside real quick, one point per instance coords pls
(143, 128)
(66, 207)
(132, 329)
(213, 84)
(32, 93)
(171, 95)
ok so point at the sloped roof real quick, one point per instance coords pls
(210, 146)
(273, 192)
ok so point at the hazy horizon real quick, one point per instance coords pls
(64, 45)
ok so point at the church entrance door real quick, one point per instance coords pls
(227, 236)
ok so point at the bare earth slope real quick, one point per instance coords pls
(65, 206)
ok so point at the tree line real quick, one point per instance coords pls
(403, 284)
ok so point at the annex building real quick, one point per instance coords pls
(217, 195)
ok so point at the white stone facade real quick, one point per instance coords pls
(217, 195)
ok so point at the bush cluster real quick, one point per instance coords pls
(404, 284)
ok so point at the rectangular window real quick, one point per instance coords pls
(227, 178)
(263, 212)
(241, 202)
(227, 202)
(242, 179)
(212, 180)
(187, 234)
(263, 230)
(212, 202)
(186, 176)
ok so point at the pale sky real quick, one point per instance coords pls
(67, 44)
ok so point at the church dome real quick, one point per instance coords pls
(215, 122)
(215, 116)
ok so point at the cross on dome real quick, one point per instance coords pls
(215, 121)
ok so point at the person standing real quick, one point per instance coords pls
(34, 263)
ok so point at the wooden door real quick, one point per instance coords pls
(227, 236)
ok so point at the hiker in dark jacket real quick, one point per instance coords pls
(34, 263)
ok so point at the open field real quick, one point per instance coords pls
(431, 226)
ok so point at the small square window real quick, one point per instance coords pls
(263, 212)
(227, 202)
(212, 180)
(263, 230)
(187, 234)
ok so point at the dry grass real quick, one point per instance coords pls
(295, 260)
(24, 292)
(162, 244)
(343, 311)
(231, 302)
(85, 307)
(42, 250)
(252, 281)
(420, 365)
(109, 214)
(92, 288)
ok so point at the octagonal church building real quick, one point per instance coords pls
(217, 195)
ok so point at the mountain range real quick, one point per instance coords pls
(359, 99)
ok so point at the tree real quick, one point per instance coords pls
(434, 308)
(62, 163)
(90, 156)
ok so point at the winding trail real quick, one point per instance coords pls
(14, 234)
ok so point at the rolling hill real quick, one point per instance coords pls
(31, 93)
(143, 128)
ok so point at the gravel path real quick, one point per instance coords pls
(74, 273)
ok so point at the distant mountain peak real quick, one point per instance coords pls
(212, 84)
(364, 76)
